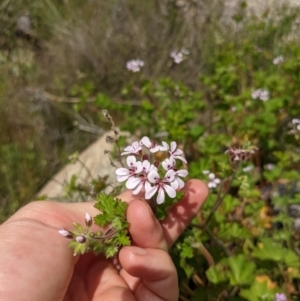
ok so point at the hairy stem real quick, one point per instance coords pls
(218, 201)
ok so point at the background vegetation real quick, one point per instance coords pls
(61, 70)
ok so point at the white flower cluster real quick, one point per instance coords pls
(238, 154)
(295, 126)
(213, 180)
(157, 177)
(296, 122)
(278, 60)
(178, 56)
(261, 94)
(135, 65)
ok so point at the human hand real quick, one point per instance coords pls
(36, 264)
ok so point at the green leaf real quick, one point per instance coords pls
(197, 131)
(78, 227)
(270, 250)
(77, 249)
(187, 251)
(83, 248)
(105, 203)
(101, 220)
(218, 273)
(291, 259)
(111, 251)
(113, 211)
(124, 240)
(258, 291)
(242, 270)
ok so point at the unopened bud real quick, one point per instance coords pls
(145, 157)
(65, 233)
(88, 220)
(91, 235)
(156, 163)
(81, 239)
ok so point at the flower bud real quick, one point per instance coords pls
(81, 239)
(65, 233)
(145, 157)
(156, 163)
(91, 235)
(88, 220)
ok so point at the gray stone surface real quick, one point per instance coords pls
(96, 163)
(260, 8)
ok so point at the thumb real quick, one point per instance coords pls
(155, 269)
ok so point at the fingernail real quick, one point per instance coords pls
(138, 251)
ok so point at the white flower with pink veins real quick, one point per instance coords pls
(134, 148)
(133, 169)
(153, 146)
(168, 164)
(146, 173)
(161, 186)
(137, 183)
(174, 152)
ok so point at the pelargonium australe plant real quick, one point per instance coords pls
(152, 170)
(146, 171)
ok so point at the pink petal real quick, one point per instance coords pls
(138, 188)
(132, 182)
(180, 183)
(125, 153)
(211, 176)
(165, 144)
(139, 167)
(211, 185)
(170, 176)
(147, 186)
(168, 163)
(150, 192)
(122, 171)
(145, 141)
(217, 181)
(173, 146)
(170, 191)
(160, 196)
(163, 148)
(131, 161)
(178, 152)
(128, 148)
(182, 173)
(146, 165)
(136, 145)
(154, 149)
(180, 158)
(153, 176)
(122, 178)
(175, 184)
(152, 168)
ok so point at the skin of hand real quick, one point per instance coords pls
(36, 264)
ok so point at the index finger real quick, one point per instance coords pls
(178, 217)
(182, 213)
